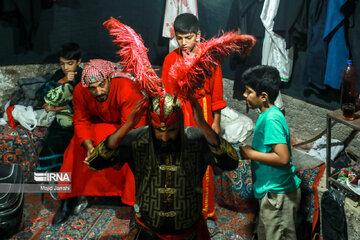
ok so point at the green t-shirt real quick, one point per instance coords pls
(271, 128)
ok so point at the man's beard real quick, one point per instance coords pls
(171, 146)
(101, 98)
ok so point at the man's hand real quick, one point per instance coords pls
(88, 165)
(70, 76)
(89, 152)
(89, 147)
(137, 113)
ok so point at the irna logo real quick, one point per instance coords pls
(52, 177)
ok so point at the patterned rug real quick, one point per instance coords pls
(237, 207)
(95, 222)
(18, 145)
(109, 222)
(310, 179)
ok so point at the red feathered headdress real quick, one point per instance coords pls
(134, 57)
(189, 73)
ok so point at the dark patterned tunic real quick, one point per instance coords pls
(169, 185)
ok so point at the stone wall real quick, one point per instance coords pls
(9, 76)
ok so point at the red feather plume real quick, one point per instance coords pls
(189, 73)
(133, 55)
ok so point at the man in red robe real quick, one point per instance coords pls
(210, 97)
(102, 103)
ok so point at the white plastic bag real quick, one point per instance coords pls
(25, 116)
(43, 118)
(235, 126)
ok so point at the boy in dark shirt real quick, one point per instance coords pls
(57, 93)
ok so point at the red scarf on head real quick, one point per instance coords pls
(96, 70)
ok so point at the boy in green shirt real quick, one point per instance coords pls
(275, 183)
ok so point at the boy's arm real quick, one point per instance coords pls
(280, 156)
(53, 108)
(216, 124)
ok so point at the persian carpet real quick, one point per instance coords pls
(21, 146)
(95, 222)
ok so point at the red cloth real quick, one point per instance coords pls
(200, 227)
(10, 117)
(210, 99)
(95, 121)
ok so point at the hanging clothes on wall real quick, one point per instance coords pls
(334, 37)
(172, 9)
(245, 15)
(291, 23)
(274, 51)
(314, 71)
(352, 12)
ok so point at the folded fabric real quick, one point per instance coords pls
(31, 85)
(319, 149)
(61, 96)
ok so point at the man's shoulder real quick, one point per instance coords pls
(140, 133)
